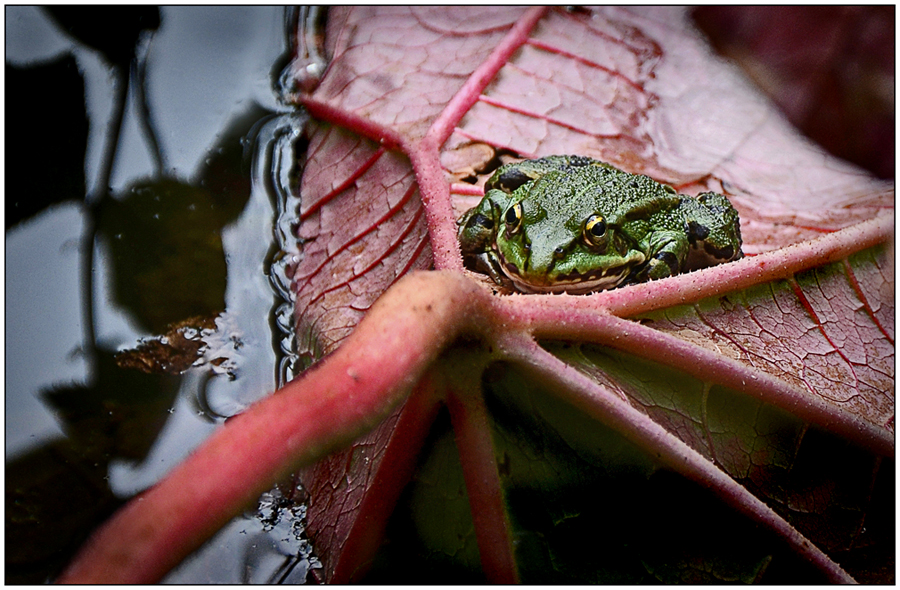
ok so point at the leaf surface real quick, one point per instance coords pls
(638, 89)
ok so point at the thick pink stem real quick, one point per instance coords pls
(344, 396)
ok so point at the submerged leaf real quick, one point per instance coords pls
(173, 353)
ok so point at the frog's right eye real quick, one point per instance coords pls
(513, 218)
(595, 231)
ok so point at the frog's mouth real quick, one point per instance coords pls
(573, 283)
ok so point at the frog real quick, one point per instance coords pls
(578, 225)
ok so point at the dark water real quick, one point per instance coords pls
(186, 234)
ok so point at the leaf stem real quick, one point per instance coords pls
(385, 136)
(708, 366)
(344, 396)
(597, 401)
(472, 428)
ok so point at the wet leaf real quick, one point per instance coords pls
(611, 87)
(174, 352)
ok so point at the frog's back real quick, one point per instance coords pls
(624, 196)
(582, 190)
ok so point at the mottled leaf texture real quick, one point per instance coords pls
(735, 423)
(362, 227)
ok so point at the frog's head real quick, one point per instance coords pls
(557, 236)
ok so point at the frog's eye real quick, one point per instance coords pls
(513, 218)
(595, 230)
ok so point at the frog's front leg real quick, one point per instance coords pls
(488, 263)
(478, 234)
(477, 229)
(670, 249)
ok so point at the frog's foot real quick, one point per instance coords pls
(486, 263)
(671, 250)
(664, 264)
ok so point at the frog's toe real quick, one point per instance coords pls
(664, 264)
(725, 254)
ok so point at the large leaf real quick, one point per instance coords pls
(766, 383)
(614, 88)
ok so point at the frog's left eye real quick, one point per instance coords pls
(595, 230)
(513, 218)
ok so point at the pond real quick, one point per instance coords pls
(187, 240)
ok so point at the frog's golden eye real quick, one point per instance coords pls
(513, 218)
(595, 230)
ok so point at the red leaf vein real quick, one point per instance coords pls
(372, 227)
(801, 296)
(344, 185)
(552, 49)
(851, 277)
(518, 110)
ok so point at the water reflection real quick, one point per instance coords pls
(186, 239)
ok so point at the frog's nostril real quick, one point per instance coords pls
(558, 252)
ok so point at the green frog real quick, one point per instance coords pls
(575, 224)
